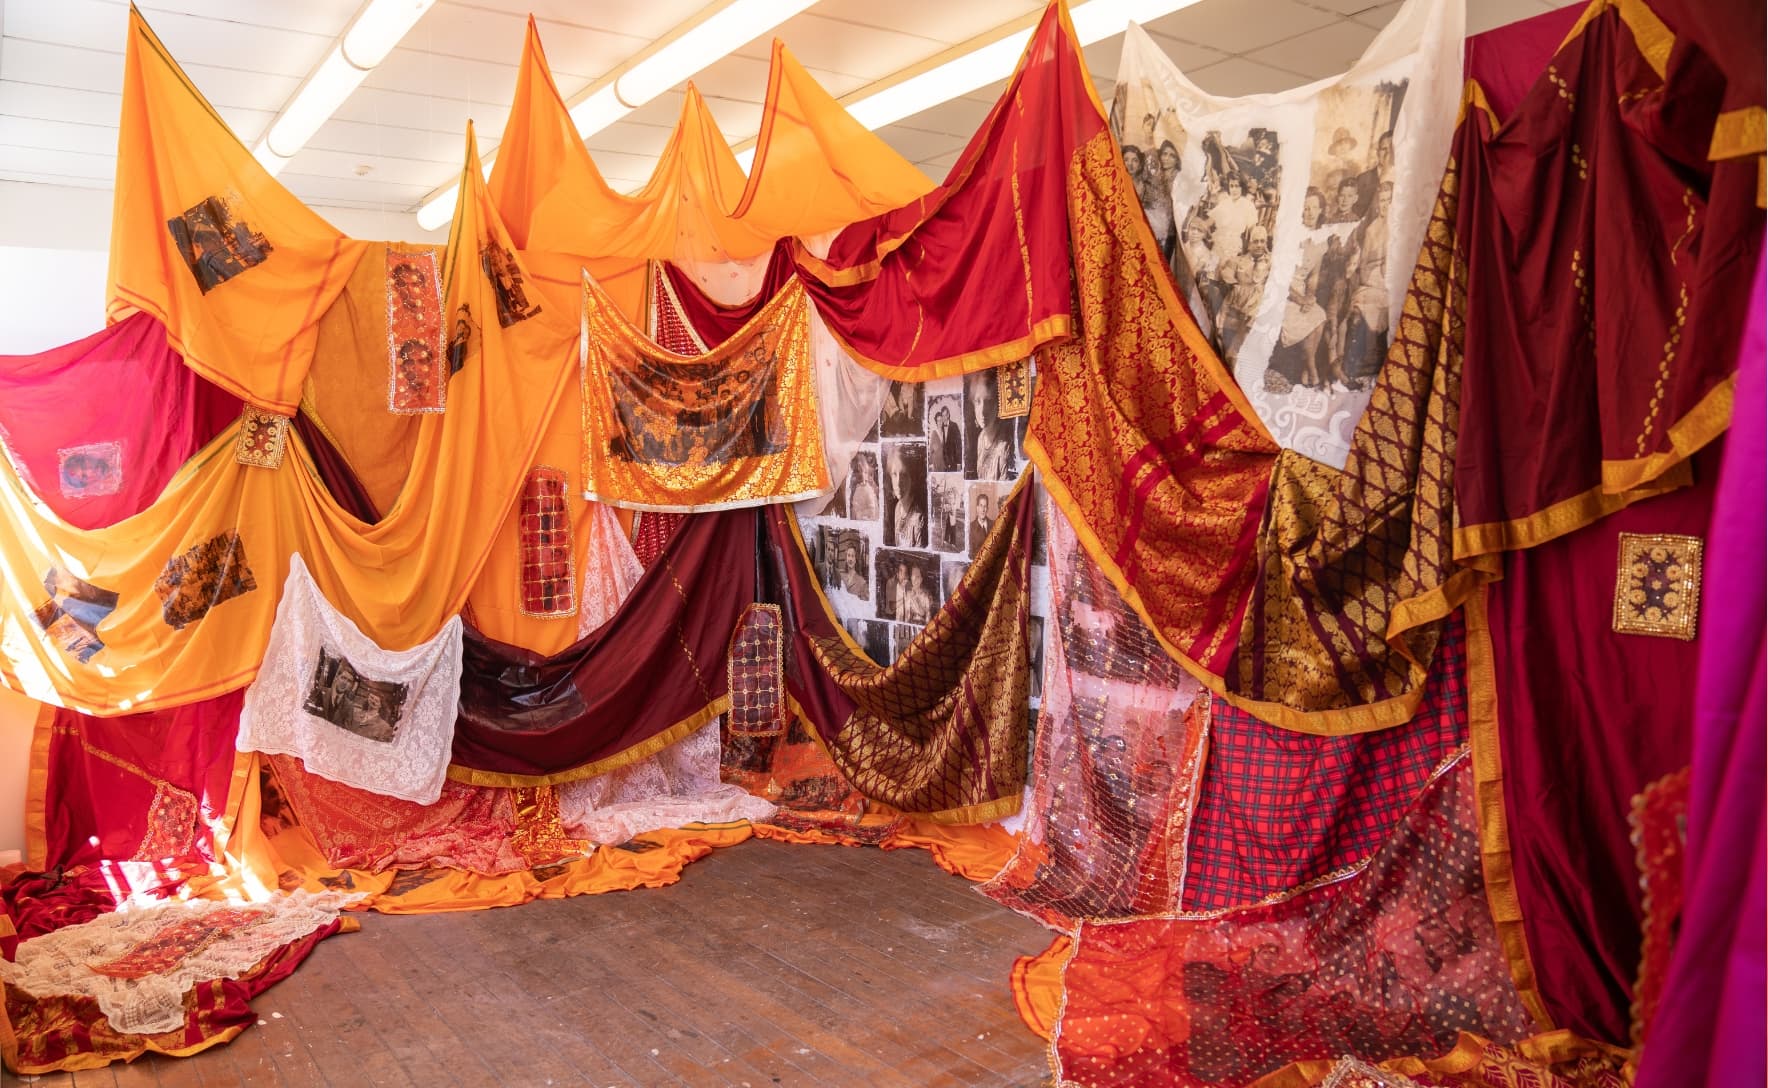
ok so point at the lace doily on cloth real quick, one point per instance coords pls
(1351, 1073)
(610, 569)
(138, 963)
(378, 720)
(677, 786)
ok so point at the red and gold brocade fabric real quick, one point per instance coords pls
(942, 732)
(1142, 439)
(1609, 264)
(207, 241)
(1395, 959)
(734, 426)
(1122, 741)
(40, 1035)
(975, 273)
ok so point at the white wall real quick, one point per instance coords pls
(17, 717)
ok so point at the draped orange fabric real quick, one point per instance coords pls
(815, 169)
(203, 238)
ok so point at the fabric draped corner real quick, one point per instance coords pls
(943, 731)
(737, 425)
(353, 712)
(208, 242)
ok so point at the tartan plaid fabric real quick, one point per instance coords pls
(1279, 808)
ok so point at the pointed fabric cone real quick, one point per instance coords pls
(203, 238)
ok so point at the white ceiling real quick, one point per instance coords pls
(399, 136)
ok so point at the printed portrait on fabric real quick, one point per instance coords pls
(982, 501)
(214, 244)
(1103, 636)
(947, 501)
(835, 506)
(203, 577)
(1154, 146)
(1035, 638)
(908, 586)
(989, 440)
(945, 433)
(903, 409)
(673, 413)
(1335, 318)
(845, 561)
(91, 470)
(865, 501)
(71, 616)
(507, 286)
(873, 637)
(344, 697)
(901, 634)
(905, 494)
(950, 574)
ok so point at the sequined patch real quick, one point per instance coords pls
(540, 833)
(85, 472)
(1660, 837)
(418, 362)
(262, 438)
(1013, 389)
(505, 275)
(207, 575)
(171, 824)
(216, 246)
(1657, 585)
(549, 583)
(757, 673)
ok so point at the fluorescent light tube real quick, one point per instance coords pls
(379, 28)
(700, 46)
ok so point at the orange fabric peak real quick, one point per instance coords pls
(203, 238)
(816, 169)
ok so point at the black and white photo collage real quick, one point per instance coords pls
(921, 494)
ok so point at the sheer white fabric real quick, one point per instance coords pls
(849, 397)
(171, 946)
(1293, 219)
(382, 721)
(677, 786)
(610, 569)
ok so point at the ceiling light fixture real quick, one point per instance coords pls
(983, 60)
(695, 45)
(377, 28)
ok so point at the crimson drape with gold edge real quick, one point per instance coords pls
(1142, 439)
(975, 273)
(1609, 266)
(203, 238)
(735, 426)
(645, 679)
(1395, 959)
(815, 169)
(941, 732)
(175, 604)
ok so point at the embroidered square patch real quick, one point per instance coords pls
(549, 583)
(757, 673)
(1013, 387)
(1657, 585)
(417, 358)
(262, 438)
(91, 470)
(207, 575)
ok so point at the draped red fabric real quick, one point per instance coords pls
(717, 323)
(638, 680)
(975, 273)
(99, 426)
(1587, 718)
(1507, 61)
(1592, 205)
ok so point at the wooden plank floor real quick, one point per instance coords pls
(768, 964)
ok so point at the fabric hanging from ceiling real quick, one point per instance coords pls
(1290, 220)
(353, 712)
(207, 241)
(736, 425)
(177, 587)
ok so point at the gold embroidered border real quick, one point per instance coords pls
(36, 794)
(644, 749)
(1054, 327)
(1653, 39)
(1706, 421)
(1739, 132)
(1565, 516)
(1494, 828)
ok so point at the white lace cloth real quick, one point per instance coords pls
(677, 786)
(279, 713)
(171, 946)
(610, 569)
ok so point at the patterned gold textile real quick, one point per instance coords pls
(735, 426)
(1143, 439)
(942, 730)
